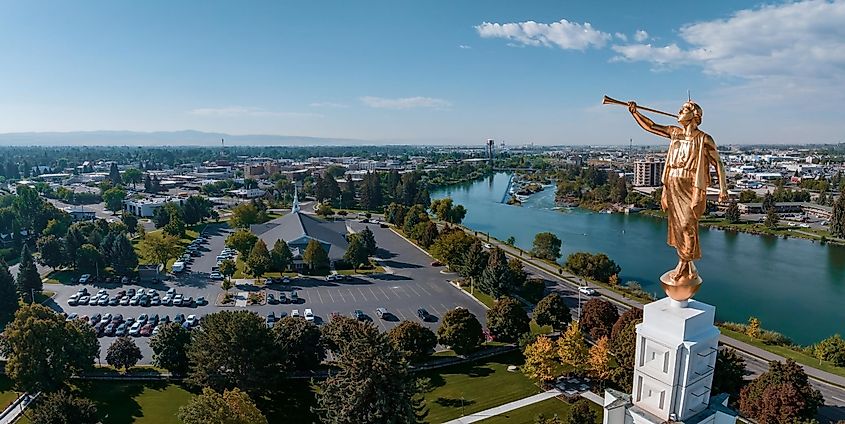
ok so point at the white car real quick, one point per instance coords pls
(487, 245)
(587, 291)
(135, 329)
(216, 276)
(294, 313)
(192, 320)
(84, 278)
(309, 316)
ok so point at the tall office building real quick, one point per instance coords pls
(648, 172)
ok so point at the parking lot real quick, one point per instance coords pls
(409, 283)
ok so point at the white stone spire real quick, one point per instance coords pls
(295, 207)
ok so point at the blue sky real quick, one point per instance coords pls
(423, 71)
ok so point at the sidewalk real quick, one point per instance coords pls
(572, 280)
(14, 411)
(478, 416)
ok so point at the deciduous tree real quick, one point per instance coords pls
(581, 413)
(123, 353)
(552, 311)
(781, 395)
(170, 348)
(356, 252)
(599, 359)
(831, 349)
(244, 215)
(219, 357)
(62, 407)
(300, 343)
(732, 214)
(595, 266)
(158, 248)
(571, 347)
(231, 407)
(227, 269)
(412, 340)
(43, 350)
(51, 251)
(507, 320)
(242, 241)
(729, 375)
(540, 360)
(315, 256)
(258, 261)
(281, 257)
(114, 198)
(598, 317)
(460, 330)
(546, 246)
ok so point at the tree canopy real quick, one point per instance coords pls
(460, 330)
(507, 320)
(170, 348)
(123, 353)
(230, 407)
(552, 311)
(546, 246)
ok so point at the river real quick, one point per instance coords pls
(793, 286)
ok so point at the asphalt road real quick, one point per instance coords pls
(408, 284)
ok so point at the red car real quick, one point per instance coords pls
(146, 330)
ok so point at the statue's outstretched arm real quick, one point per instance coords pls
(648, 124)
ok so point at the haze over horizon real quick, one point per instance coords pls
(418, 73)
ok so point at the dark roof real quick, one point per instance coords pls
(294, 226)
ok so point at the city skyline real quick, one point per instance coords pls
(403, 73)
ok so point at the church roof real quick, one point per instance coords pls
(296, 225)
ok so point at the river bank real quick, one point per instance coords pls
(793, 287)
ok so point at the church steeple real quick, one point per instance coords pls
(295, 206)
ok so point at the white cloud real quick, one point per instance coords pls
(464, 46)
(564, 34)
(621, 36)
(245, 111)
(331, 105)
(640, 36)
(405, 102)
(805, 39)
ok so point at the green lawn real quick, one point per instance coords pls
(468, 388)
(62, 277)
(7, 393)
(548, 408)
(485, 298)
(786, 352)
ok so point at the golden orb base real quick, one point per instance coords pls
(680, 290)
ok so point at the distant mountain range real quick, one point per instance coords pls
(165, 138)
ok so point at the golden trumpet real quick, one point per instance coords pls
(612, 101)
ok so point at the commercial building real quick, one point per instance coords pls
(146, 207)
(79, 213)
(648, 172)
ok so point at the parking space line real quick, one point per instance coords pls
(400, 313)
(320, 296)
(423, 289)
(353, 295)
(385, 294)
(330, 295)
(375, 297)
(362, 294)
(414, 290)
(436, 287)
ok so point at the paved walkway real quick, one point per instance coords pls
(14, 411)
(574, 281)
(478, 416)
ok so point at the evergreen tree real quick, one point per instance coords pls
(148, 184)
(496, 279)
(369, 240)
(732, 214)
(371, 195)
(771, 218)
(8, 295)
(281, 257)
(114, 175)
(473, 260)
(29, 281)
(837, 222)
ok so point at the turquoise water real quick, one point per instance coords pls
(796, 287)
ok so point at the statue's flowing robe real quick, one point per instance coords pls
(685, 180)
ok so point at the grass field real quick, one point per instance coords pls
(7, 394)
(548, 408)
(468, 388)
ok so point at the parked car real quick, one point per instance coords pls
(423, 314)
(359, 315)
(271, 300)
(155, 301)
(309, 315)
(106, 317)
(171, 292)
(283, 298)
(84, 278)
(93, 300)
(135, 329)
(179, 319)
(73, 300)
(294, 298)
(177, 300)
(135, 299)
(83, 300)
(124, 301)
(153, 320)
(72, 316)
(114, 301)
(216, 276)
(271, 318)
(111, 328)
(142, 318)
(130, 292)
(294, 313)
(104, 300)
(146, 330)
(167, 300)
(201, 301)
(381, 313)
(285, 280)
(121, 330)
